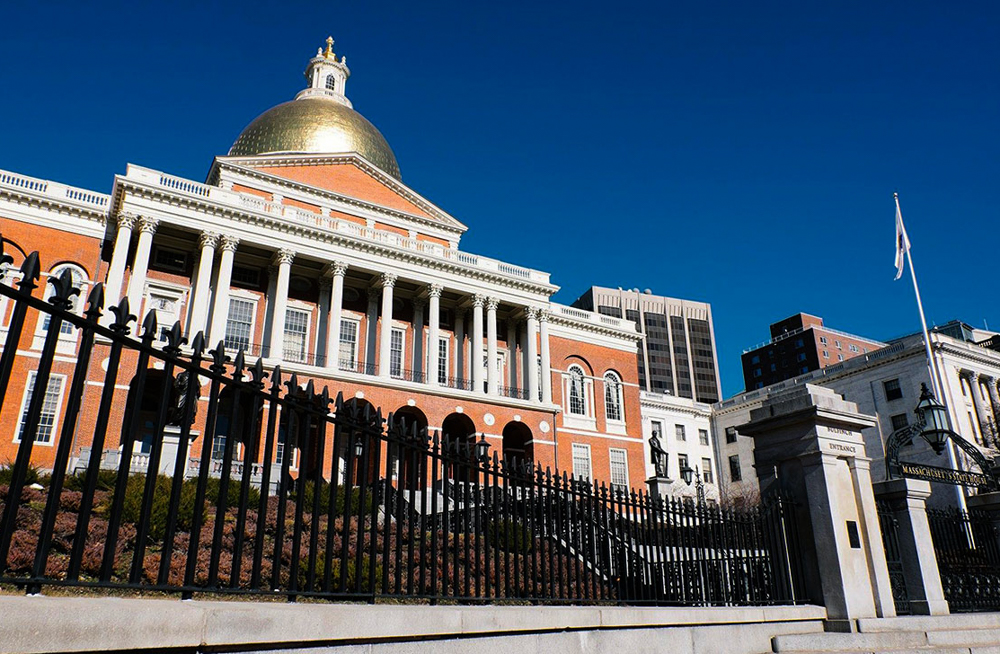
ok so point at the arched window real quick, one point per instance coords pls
(76, 301)
(331, 82)
(577, 403)
(612, 396)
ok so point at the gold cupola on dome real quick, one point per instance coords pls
(320, 120)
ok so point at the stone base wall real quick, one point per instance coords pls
(62, 624)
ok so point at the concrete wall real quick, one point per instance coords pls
(77, 624)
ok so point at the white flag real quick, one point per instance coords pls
(902, 241)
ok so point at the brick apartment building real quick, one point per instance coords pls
(800, 344)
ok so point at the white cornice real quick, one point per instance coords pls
(257, 221)
(244, 165)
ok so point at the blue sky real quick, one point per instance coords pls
(743, 154)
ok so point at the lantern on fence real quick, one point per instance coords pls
(935, 418)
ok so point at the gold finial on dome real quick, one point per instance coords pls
(329, 47)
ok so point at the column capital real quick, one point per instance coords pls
(284, 256)
(325, 283)
(208, 240)
(988, 378)
(126, 220)
(419, 302)
(147, 224)
(478, 300)
(966, 374)
(435, 290)
(228, 243)
(543, 315)
(492, 303)
(532, 313)
(335, 268)
(388, 280)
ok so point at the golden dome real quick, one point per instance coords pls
(315, 125)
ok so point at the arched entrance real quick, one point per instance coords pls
(407, 448)
(357, 454)
(517, 449)
(458, 436)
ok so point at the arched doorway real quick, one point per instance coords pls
(458, 437)
(407, 448)
(517, 449)
(147, 403)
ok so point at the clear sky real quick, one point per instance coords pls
(740, 153)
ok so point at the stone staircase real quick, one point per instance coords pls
(968, 633)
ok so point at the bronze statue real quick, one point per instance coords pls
(659, 455)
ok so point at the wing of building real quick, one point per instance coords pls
(304, 247)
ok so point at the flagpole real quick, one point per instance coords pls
(932, 366)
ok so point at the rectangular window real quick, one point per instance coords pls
(801, 356)
(219, 447)
(619, 468)
(348, 344)
(837, 345)
(754, 360)
(756, 372)
(246, 277)
(443, 361)
(774, 367)
(730, 434)
(50, 407)
(296, 335)
(840, 357)
(735, 474)
(826, 354)
(656, 427)
(703, 436)
(893, 391)
(899, 421)
(679, 431)
(822, 339)
(396, 353)
(166, 313)
(682, 462)
(581, 461)
(170, 260)
(852, 347)
(239, 324)
(706, 471)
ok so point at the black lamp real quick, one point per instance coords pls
(935, 417)
(359, 445)
(687, 473)
(482, 449)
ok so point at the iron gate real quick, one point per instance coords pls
(968, 557)
(890, 540)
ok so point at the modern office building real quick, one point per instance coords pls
(678, 354)
(800, 344)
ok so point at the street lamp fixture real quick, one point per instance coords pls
(482, 450)
(687, 473)
(359, 446)
(934, 416)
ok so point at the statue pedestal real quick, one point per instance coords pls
(659, 486)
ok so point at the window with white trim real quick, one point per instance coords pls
(703, 436)
(348, 354)
(680, 433)
(581, 461)
(239, 323)
(577, 398)
(296, 335)
(75, 301)
(443, 360)
(396, 344)
(612, 396)
(618, 460)
(166, 306)
(331, 82)
(50, 408)
(706, 471)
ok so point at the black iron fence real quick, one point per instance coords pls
(893, 557)
(968, 557)
(270, 486)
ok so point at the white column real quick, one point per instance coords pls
(543, 319)
(523, 363)
(371, 332)
(532, 348)
(419, 304)
(283, 260)
(476, 363)
(492, 356)
(511, 353)
(201, 298)
(220, 309)
(385, 337)
(137, 284)
(460, 344)
(433, 332)
(338, 269)
(119, 259)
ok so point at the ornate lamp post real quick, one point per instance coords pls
(687, 473)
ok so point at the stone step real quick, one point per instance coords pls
(930, 622)
(844, 642)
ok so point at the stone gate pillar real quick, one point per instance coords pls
(808, 441)
(908, 498)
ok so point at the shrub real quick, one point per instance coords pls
(132, 506)
(509, 535)
(105, 480)
(339, 501)
(32, 474)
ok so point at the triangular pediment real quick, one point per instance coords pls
(348, 176)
